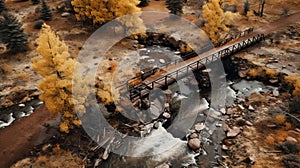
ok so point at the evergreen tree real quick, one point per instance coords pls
(35, 2)
(144, 3)
(175, 6)
(246, 7)
(3, 6)
(11, 34)
(46, 13)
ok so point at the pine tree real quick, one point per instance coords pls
(46, 13)
(175, 6)
(12, 34)
(3, 6)
(246, 7)
(34, 2)
(57, 67)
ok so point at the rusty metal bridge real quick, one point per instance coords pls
(139, 87)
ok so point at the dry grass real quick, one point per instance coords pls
(6, 69)
(279, 119)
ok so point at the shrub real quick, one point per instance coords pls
(279, 119)
(270, 140)
(281, 135)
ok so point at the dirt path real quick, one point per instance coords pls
(280, 23)
(18, 140)
(158, 6)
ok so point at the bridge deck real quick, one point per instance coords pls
(177, 70)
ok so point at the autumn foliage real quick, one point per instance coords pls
(217, 19)
(56, 67)
(101, 11)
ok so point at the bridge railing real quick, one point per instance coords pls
(137, 89)
(243, 33)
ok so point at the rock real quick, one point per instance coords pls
(276, 92)
(218, 125)
(293, 51)
(165, 165)
(177, 52)
(167, 115)
(21, 105)
(224, 147)
(251, 108)
(105, 154)
(199, 127)
(223, 110)
(194, 144)
(271, 125)
(194, 135)
(273, 81)
(291, 139)
(233, 132)
(248, 123)
(242, 74)
(207, 70)
(229, 111)
(151, 60)
(162, 61)
(65, 14)
(38, 24)
(241, 106)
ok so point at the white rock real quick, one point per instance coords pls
(241, 107)
(275, 92)
(251, 108)
(144, 57)
(233, 132)
(291, 139)
(206, 70)
(248, 123)
(165, 165)
(167, 115)
(151, 60)
(65, 14)
(199, 127)
(21, 105)
(223, 110)
(162, 61)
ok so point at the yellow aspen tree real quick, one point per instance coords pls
(101, 11)
(217, 20)
(56, 66)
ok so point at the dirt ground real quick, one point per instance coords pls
(28, 136)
